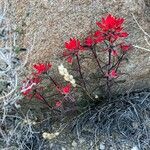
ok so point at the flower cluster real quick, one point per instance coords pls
(66, 89)
(64, 72)
(42, 68)
(29, 121)
(73, 48)
(112, 74)
(30, 83)
(49, 136)
(110, 30)
(33, 87)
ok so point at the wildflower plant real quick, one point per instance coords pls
(106, 47)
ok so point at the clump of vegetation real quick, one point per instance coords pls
(108, 41)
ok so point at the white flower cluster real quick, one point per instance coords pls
(64, 72)
(49, 136)
(28, 121)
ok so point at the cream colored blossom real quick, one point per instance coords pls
(71, 77)
(61, 72)
(74, 85)
(73, 82)
(28, 121)
(67, 77)
(65, 71)
(44, 135)
(49, 136)
(61, 69)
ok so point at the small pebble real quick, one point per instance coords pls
(102, 146)
(81, 140)
(135, 148)
(74, 144)
(135, 125)
(96, 96)
(63, 148)
(91, 143)
(111, 148)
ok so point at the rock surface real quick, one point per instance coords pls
(55, 21)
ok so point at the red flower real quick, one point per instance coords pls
(112, 74)
(41, 68)
(72, 48)
(73, 44)
(125, 47)
(114, 53)
(98, 36)
(58, 104)
(89, 41)
(70, 59)
(111, 28)
(123, 34)
(110, 22)
(66, 89)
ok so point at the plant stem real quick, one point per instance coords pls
(54, 82)
(95, 56)
(108, 71)
(44, 100)
(79, 68)
(118, 62)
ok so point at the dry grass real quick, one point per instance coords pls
(125, 120)
(146, 36)
(14, 132)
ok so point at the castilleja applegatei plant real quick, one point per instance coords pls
(110, 35)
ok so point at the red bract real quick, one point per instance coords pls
(111, 28)
(58, 104)
(66, 89)
(41, 68)
(70, 59)
(72, 48)
(112, 74)
(114, 53)
(124, 47)
(89, 41)
(73, 44)
(123, 34)
(111, 22)
(98, 36)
